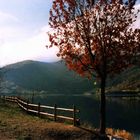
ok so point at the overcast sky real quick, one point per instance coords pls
(23, 27)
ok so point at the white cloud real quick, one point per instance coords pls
(31, 49)
(9, 29)
(16, 45)
(4, 17)
(20, 36)
(9, 32)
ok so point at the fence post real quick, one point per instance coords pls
(74, 115)
(55, 112)
(27, 105)
(38, 109)
(17, 100)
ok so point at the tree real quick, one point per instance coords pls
(95, 39)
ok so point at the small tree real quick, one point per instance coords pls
(94, 39)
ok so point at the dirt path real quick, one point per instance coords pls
(4, 136)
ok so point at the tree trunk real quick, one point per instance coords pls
(103, 107)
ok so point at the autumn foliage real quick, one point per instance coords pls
(87, 37)
(95, 39)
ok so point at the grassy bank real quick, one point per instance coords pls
(18, 125)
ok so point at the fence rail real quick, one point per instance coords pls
(37, 109)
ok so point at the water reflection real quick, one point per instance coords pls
(124, 114)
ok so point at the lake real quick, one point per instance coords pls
(121, 114)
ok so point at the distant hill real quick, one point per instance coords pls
(48, 77)
(55, 78)
(127, 80)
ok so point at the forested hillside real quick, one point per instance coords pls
(55, 78)
(50, 77)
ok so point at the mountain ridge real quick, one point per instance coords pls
(50, 77)
(56, 78)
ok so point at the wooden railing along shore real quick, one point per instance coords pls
(40, 110)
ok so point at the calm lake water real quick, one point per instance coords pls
(122, 114)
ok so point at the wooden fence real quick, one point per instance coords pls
(40, 110)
